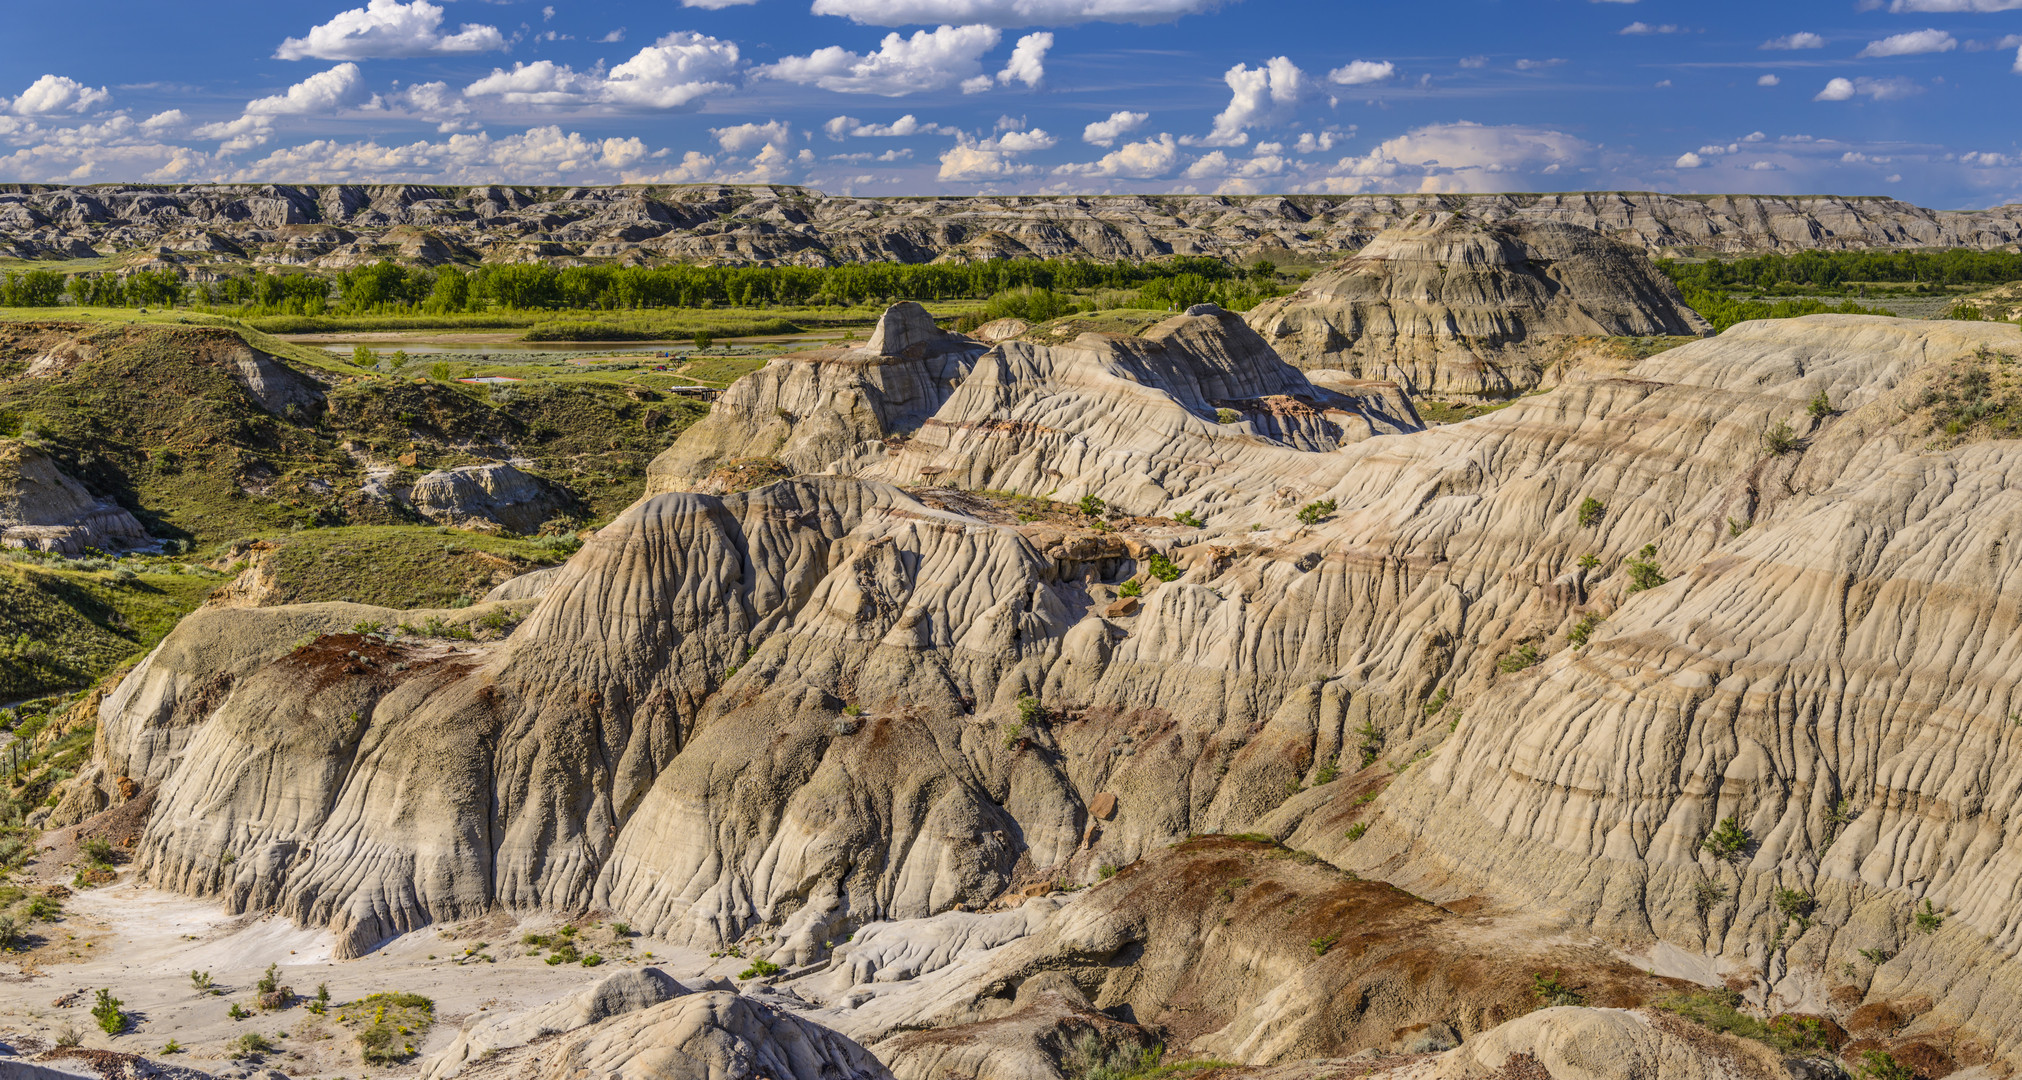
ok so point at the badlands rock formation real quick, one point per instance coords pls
(1450, 305)
(487, 497)
(1524, 666)
(43, 509)
(344, 225)
(915, 405)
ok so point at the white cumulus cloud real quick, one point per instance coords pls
(1028, 60)
(1137, 161)
(1260, 95)
(389, 28)
(1465, 156)
(1019, 142)
(670, 73)
(1954, 7)
(1311, 143)
(849, 126)
(929, 60)
(1218, 164)
(1639, 27)
(53, 94)
(1878, 89)
(1801, 40)
(539, 155)
(1689, 160)
(1913, 43)
(1009, 13)
(990, 159)
(742, 137)
(323, 92)
(433, 101)
(1119, 124)
(1768, 80)
(1358, 72)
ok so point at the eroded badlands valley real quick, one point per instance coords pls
(1058, 704)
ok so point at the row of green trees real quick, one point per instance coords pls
(1724, 310)
(389, 288)
(1829, 270)
(35, 288)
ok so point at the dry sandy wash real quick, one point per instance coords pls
(1329, 735)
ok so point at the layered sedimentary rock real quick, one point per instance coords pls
(825, 410)
(487, 497)
(644, 1026)
(43, 509)
(1137, 421)
(1452, 305)
(783, 716)
(345, 225)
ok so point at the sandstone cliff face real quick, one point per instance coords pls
(43, 509)
(788, 714)
(346, 225)
(1450, 305)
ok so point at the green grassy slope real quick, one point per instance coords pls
(61, 628)
(151, 416)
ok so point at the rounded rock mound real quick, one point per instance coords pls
(1449, 304)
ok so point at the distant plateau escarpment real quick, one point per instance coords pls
(337, 226)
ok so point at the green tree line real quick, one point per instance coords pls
(1831, 270)
(389, 288)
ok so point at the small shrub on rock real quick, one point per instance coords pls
(1313, 513)
(1727, 840)
(1644, 573)
(1551, 992)
(107, 1012)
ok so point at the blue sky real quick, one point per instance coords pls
(1912, 98)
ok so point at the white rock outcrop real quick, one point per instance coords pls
(490, 496)
(44, 509)
(1449, 304)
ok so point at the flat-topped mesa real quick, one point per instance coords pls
(1450, 305)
